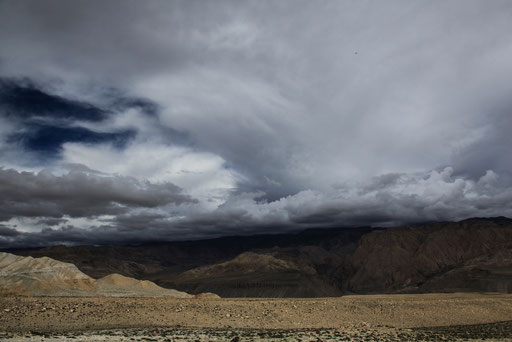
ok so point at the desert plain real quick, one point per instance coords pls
(398, 317)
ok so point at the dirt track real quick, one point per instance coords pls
(371, 315)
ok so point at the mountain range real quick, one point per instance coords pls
(469, 255)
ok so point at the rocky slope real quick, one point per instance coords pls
(48, 277)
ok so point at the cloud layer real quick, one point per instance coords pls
(78, 194)
(387, 200)
(239, 117)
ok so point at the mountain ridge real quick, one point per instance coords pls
(469, 255)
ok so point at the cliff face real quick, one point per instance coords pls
(471, 255)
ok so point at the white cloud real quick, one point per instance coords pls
(387, 200)
(203, 175)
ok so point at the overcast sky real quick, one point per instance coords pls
(131, 121)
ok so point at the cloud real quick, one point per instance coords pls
(273, 116)
(203, 174)
(42, 122)
(51, 222)
(6, 232)
(78, 194)
(276, 90)
(387, 200)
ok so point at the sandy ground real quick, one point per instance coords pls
(363, 318)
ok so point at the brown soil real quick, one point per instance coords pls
(425, 314)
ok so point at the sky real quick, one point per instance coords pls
(134, 121)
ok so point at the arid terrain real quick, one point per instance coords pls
(363, 318)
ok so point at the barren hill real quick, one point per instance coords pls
(256, 275)
(45, 276)
(48, 277)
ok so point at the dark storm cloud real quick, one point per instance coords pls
(48, 236)
(51, 221)
(391, 200)
(68, 235)
(277, 90)
(275, 115)
(76, 194)
(6, 232)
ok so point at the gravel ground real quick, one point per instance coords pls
(431, 317)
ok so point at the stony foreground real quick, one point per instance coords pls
(481, 332)
(431, 317)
